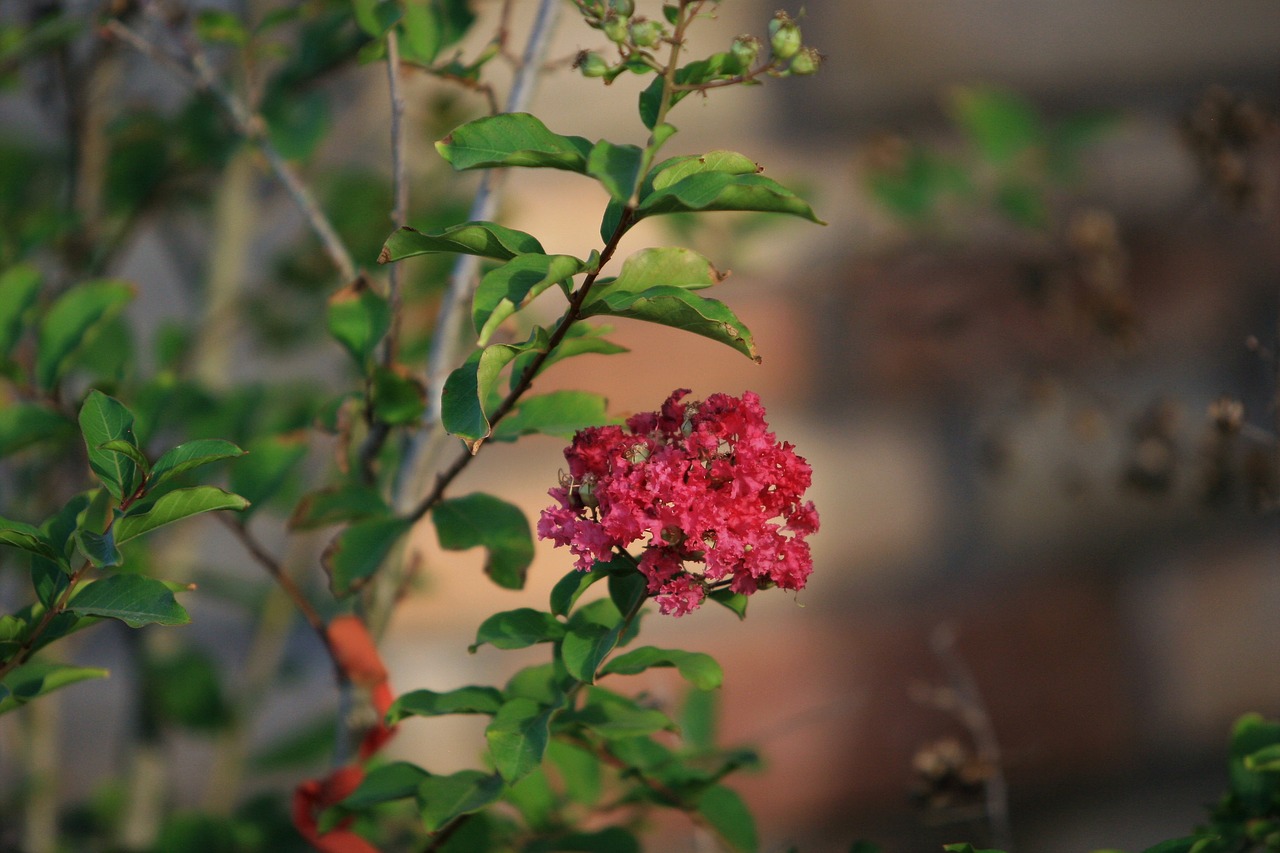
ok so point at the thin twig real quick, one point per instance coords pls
(278, 574)
(198, 74)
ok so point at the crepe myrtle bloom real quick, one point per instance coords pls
(710, 496)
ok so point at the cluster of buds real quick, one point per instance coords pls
(789, 49)
(622, 26)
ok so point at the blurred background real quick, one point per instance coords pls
(1032, 361)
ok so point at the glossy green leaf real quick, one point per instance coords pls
(700, 670)
(710, 191)
(71, 321)
(13, 630)
(559, 413)
(19, 287)
(133, 599)
(98, 548)
(175, 506)
(999, 124)
(49, 579)
(480, 520)
(190, 455)
(385, 784)
(570, 587)
(129, 449)
(336, 505)
(735, 601)
(613, 716)
(616, 167)
(358, 318)
(445, 797)
(18, 534)
(585, 646)
(104, 419)
(680, 309)
(486, 239)
(676, 169)
(671, 266)
(517, 629)
(353, 556)
(36, 678)
(512, 139)
(428, 703)
(266, 467)
(582, 339)
(729, 816)
(24, 424)
(467, 388)
(398, 398)
(505, 290)
(518, 738)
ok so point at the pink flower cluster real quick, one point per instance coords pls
(715, 499)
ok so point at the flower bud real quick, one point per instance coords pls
(745, 49)
(591, 64)
(806, 62)
(646, 33)
(615, 28)
(784, 36)
(625, 8)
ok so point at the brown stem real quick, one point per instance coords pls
(278, 574)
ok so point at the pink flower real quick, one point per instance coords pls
(711, 497)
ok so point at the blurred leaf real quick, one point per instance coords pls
(516, 629)
(999, 124)
(71, 320)
(384, 784)
(175, 506)
(104, 419)
(21, 535)
(559, 413)
(375, 17)
(428, 703)
(698, 719)
(358, 319)
(518, 737)
(735, 601)
(512, 139)
(263, 470)
(308, 742)
(680, 309)
(398, 396)
(336, 505)
(218, 27)
(36, 678)
(616, 167)
(24, 424)
(423, 34)
(913, 190)
(185, 689)
(480, 520)
(507, 289)
(534, 798)
(19, 287)
(614, 839)
(355, 554)
(297, 121)
(445, 797)
(133, 599)
(700, 670)
(579, 770)
(486, 239)
(613, 716)
(729, 816)
(545, 684)
(1023, 204)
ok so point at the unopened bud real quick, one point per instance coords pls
(625, 8)
(784, 36)
(615, 28)
(745, 49)
(591, 64)
(806, 62)
(646, 33)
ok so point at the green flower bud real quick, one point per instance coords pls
(591, 64)
(806, 62)
(625, 8)
(646, 33)
(615, 28)
(745, 49)
(784, 36)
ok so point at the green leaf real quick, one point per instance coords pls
(104, 419)
(582, 339)
(71, 321)
(428, 703)
(36, 678)
(19, 534)
(185, 688)
(218, 27)
(505, 290)
(1023, 203)
(1265, 759)
(729, 816)
(13, 630)
(559, 413)
(353, 556)
(700, 670)
(19, 287)
(676, 169)
(518, 738)
(398, 398)
(1000, 125)
(265, 468)
(613, 716)
(486, 239)
(735, 601)
(98, 548)
(536, 801)
(570, 587)
(336, 505)
(709, 191)
(422, 36)
(23, 424)
(375, 17)
(466, 389)
(615, 839)
(517, 629)
(175, 506)
(649, 268)
(579, 769)
(130, 450)
(616, 167)
(699, 718)
(385, 784)
(680, 309)
(545, 684)
(189, 455)
(592, 633)
(513, 139)
(133, 599)
(445, 797)
(358, 318)
(480, 520)
(297, 120)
